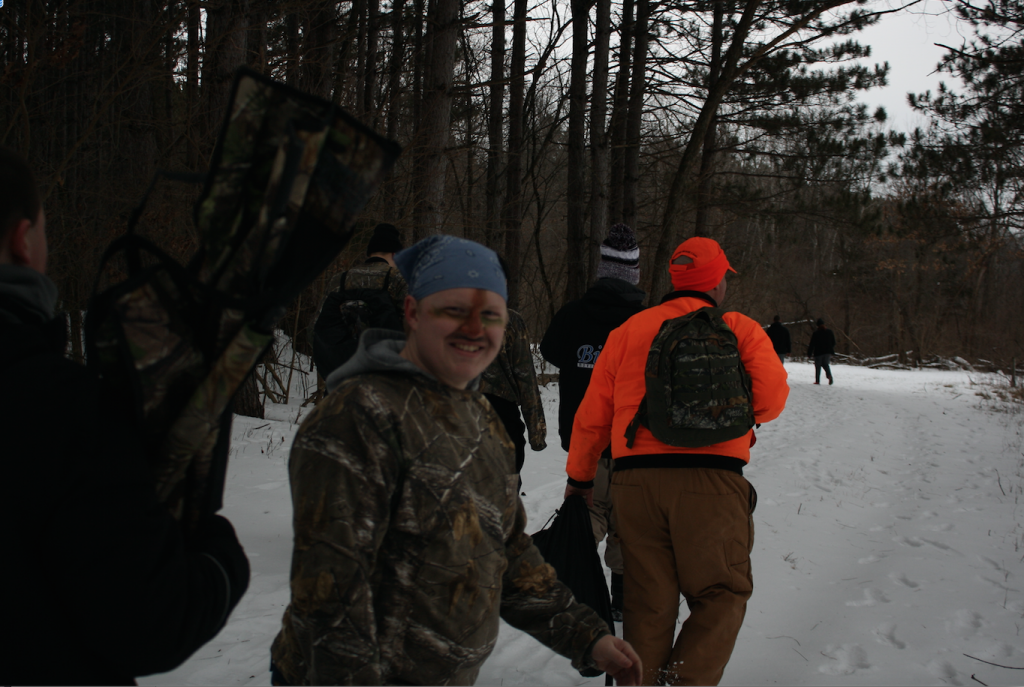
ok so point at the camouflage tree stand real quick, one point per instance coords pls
(289, 174)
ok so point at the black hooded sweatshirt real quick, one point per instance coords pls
(576, 336)
(99, 585)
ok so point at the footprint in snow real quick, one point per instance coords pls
(872, 597)
(901, 579)
(886, 634)
(998, 651)
(998, 584)
(994, 564)
(940, 545)
(844, 660)
(965, 624)
(943, 670)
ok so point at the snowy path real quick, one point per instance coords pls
(889, 541)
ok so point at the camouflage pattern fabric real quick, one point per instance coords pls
(410, 542)
(289, 175)
(512, 377)
(372, 275)
(698, 392)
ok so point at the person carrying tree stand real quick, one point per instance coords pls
(369, 295)
(677, 390)
(101, 583)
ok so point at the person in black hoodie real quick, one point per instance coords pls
(821, 348)
(100, 585)
(572, 343)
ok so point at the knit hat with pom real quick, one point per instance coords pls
(620, 255)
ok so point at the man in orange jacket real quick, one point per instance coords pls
(683, 531)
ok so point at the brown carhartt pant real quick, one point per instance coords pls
(684, 531)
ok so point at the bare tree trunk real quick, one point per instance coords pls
(495, 130)
(470, 115)
(256, 41)
(435, 118)
(292, 33)
(575, 235)
(620, 109)
(316, 73)
(631, 166)
(708, 153)
(139, 47)
(192, 132)
(370, 84)
(513, 219)
(419, 51)
(680, 179)
(358, 14)
(395, 68)
(247, 399)
(225, 51)
(598, 139)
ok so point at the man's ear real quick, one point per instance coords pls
(17, 247)
(411, 314)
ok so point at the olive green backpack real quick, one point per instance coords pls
(698, 392)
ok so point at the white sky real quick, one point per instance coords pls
(906, 40)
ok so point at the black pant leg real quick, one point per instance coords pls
(509, 414)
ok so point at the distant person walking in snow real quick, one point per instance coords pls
(779, 335)
(410, 537)
(510, 384)
(821, 348)
(101, 585)
(573, 343)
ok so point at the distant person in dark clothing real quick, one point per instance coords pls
(572, 343)
(101, 585)
(369, 295)
(821, 348)
(779, 335)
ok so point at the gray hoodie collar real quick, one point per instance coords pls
(378, 351)
(33, 293)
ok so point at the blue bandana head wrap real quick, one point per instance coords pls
(438, 263)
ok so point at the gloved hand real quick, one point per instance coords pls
(216, 537)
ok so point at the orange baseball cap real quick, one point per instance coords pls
(704, 270)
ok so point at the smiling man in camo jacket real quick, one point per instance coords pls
(409, 534)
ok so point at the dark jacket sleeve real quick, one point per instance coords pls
(552, 346)
(106, 554)
(344, 472)
(525, 378)
(534, 601)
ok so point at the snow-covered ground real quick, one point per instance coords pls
(889, 540)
